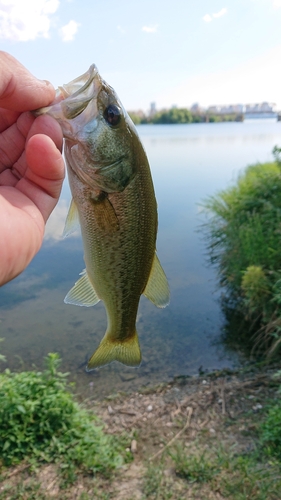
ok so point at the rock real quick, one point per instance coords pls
(149, 408)
(110, 410)
(134, 446)
(257, 407)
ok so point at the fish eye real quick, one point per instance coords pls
(112, 115)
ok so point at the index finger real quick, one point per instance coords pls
(19, 89)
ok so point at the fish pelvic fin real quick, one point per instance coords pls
(125, 351)
(157, 288)
(82, 293)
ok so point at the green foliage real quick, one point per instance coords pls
(271, 431)
(277, 154)
(135, 117)
(236, 476)
(255, 286)
(173, 115)
(181, 115)
(2, 357)
(40, 421)
(243, 233)
(196, 469)
(156, 485)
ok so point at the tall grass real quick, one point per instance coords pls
(244, 242)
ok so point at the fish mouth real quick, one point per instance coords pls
(72, 98)
(80, 85)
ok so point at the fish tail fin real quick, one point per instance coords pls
(126, 351)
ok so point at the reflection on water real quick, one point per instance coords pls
(188, 163)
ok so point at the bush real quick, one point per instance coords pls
(244, 235)
(271, 432)
(40, 421)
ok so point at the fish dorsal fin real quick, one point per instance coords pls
(82, 293)
(157, 288)
(72, 220)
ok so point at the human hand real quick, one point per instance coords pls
(31, 165)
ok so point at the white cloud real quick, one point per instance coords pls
(208, 18)
(150, 29)
(277, 4)
(68, 31)
(22, 20)
(222, 12)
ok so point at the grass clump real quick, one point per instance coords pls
(195, 469)
(270, 428)
(41, 422)
(244, 236)
(233, 475)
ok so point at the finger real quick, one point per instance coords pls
(47, 125)
(12, 140)
(44, 176)
(19, 89)
(7, 118)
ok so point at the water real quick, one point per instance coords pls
(188, 163)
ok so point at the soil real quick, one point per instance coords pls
(218, 409)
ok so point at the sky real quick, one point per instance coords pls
(177, 52)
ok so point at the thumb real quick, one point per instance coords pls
(19, 89)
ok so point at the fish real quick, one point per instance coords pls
(113, 202)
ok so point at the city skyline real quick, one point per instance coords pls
(261, 107)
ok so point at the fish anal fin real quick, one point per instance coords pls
(72, 220)
(125, 351)
(82, 293)
(157, 288)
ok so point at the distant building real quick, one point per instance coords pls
(264, 107)
(195, 108)
(226, 109)
(152, 110)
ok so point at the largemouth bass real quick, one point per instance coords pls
(114, 202)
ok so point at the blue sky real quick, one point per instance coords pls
(173, 52)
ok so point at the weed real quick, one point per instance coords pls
(40, 421)
(196, 469)
(271, 431)
(155, 483)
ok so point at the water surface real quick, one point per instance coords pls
(188, 163)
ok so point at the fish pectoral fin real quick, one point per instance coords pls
(157, 288)
(105, 214)
(126, 351)
(72, 220)
(82, 293)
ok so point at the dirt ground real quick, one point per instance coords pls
(218, 409)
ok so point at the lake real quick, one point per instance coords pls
(188, 163)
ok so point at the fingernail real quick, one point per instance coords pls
(49, 84)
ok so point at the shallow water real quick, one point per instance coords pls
(188, 163)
